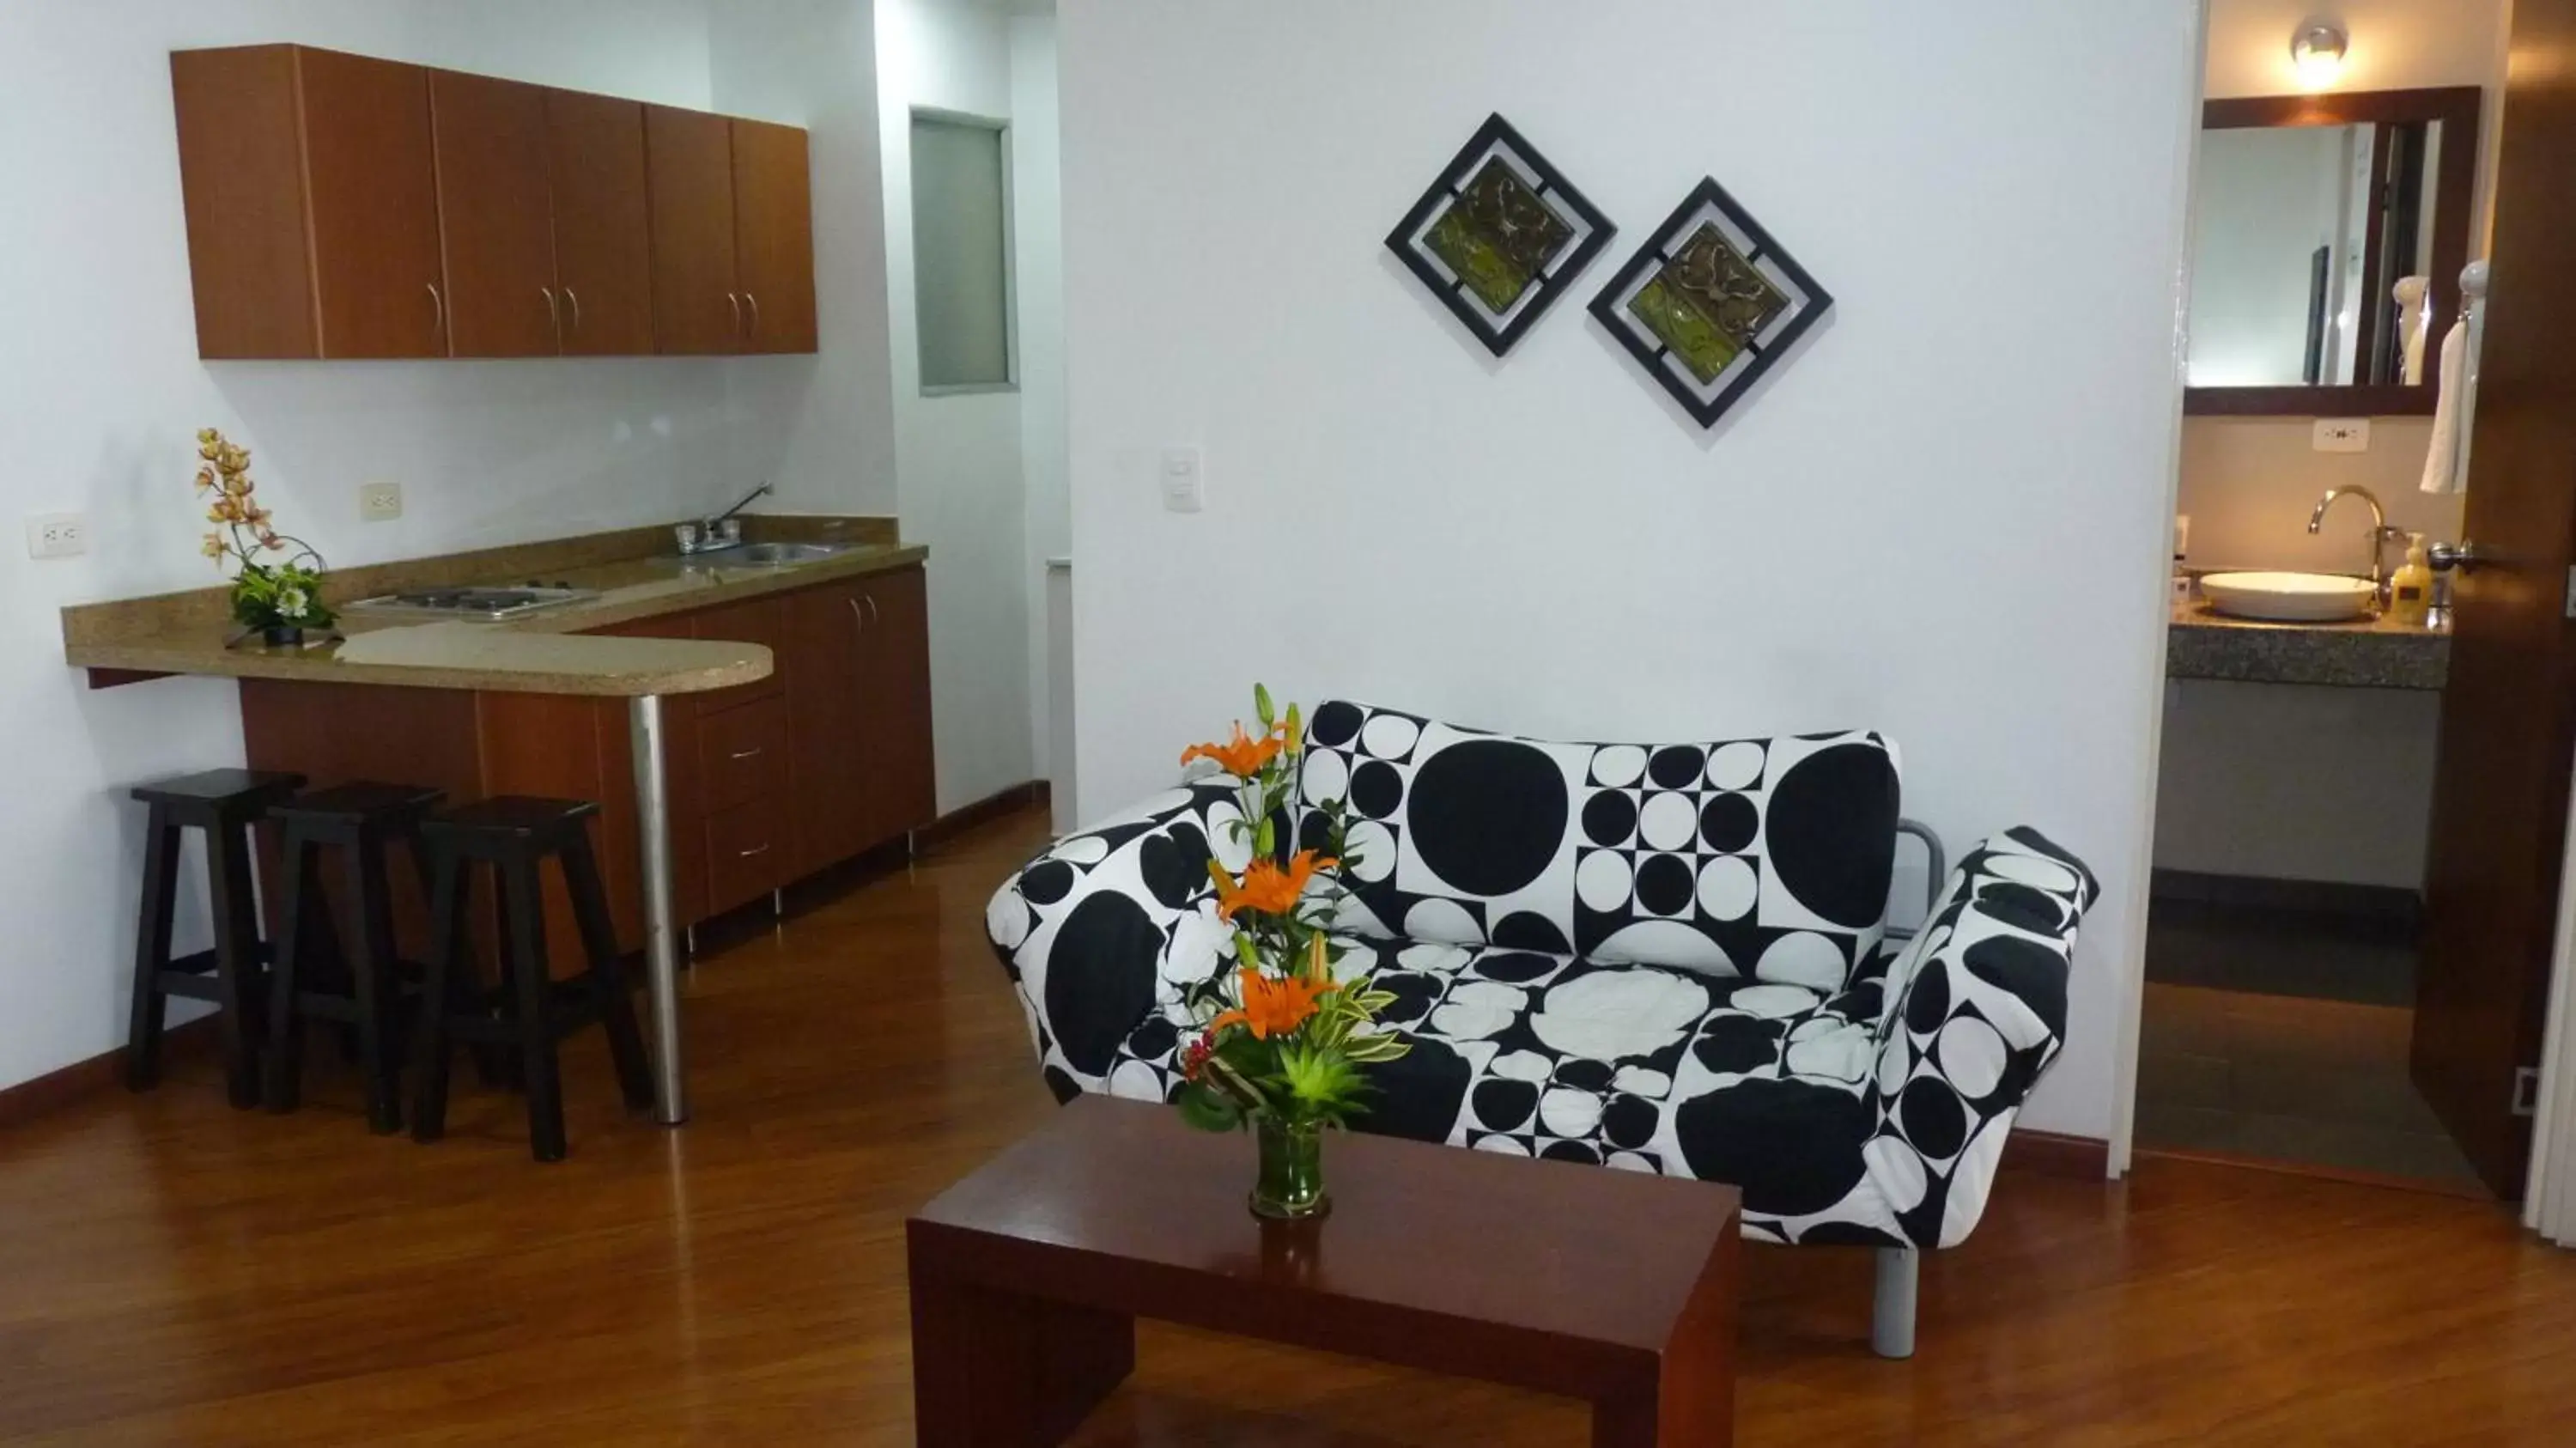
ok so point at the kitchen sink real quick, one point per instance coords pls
(762, 555)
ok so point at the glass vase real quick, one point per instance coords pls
(1291, 1181)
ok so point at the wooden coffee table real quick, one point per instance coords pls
(1027, 1277)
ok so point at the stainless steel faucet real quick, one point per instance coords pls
(2379, 536)
(721, 531)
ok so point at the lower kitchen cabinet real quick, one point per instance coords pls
(824, 760)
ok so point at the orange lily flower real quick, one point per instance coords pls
(1267, 887)
(1273, 1007)
(1241, 756)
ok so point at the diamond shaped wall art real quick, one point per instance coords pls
(1710, 303)
(1499, 236)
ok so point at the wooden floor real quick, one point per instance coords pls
(174, 1273)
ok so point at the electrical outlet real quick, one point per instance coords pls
(57, 535)
(379, 502)
(2342, 435)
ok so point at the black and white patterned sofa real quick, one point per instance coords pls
(1654, 958)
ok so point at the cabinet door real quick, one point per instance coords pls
(697, 305)
(495, 212)
(826, 708)
(902, 784)
(774, 236)
(372, 185)
(241, 179)
(602, 224)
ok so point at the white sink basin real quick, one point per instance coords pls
(2288, 597)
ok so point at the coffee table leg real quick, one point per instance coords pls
(993, 1369)
(1691, 1402)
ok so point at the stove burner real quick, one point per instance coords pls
(484, 603)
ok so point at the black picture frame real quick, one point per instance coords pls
(1706, 403)
(1499, 334)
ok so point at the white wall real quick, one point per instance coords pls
(958, 457)
(1943, 518)
(1037, 217)
(105, 393)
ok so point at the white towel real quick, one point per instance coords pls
(2442, 471)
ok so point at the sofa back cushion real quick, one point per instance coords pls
(1749, 857)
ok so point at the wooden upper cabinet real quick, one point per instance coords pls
(312, 202)
(340, 206)
(602, 223)
(494, 206)
(773, 227)
(697, 305)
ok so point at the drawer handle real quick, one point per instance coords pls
(751, 753)
(747, 854)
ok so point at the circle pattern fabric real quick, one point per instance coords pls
(1852, 1100)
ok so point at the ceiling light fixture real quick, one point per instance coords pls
(2316, 51)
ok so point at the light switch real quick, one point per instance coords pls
(1184, 480)
(2342, 434)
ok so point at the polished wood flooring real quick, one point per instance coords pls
(172, 1272)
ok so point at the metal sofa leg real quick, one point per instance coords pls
(1891, 1324)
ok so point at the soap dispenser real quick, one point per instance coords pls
(2410, 591)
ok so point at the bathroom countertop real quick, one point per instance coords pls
(2363, 654)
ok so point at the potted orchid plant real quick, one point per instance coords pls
(276, 598)
(1281, 1039)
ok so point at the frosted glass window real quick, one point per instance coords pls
(961, 253)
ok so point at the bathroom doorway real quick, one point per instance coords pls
(2360, 821)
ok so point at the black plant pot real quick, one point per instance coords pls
(281, 636)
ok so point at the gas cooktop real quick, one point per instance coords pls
(472, 602)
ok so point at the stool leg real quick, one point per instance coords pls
(429, 1049)
(301, 903)
(152, 949)
(609, 991)
(236, 962)
(534, 987)
(372, 985)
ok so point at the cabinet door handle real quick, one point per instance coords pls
(437, 309)
(754, 299)
(554, 313)
(574, 297)
(734, 299)
(855, 614)
(751, 753)
(872, 609)
(747, 854)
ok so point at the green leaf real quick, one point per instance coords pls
(1208, 1110)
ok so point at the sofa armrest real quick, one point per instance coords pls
(1974, 1010)
(1103, 927)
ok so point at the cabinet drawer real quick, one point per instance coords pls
(745, 854)
(743, 753)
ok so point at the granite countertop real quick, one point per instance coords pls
(2365, 653)
(548, 652)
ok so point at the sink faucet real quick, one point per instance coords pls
(720, 531)
(2380, 534)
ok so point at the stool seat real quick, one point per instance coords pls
(511, 816)
(249, 790)
(362, 803)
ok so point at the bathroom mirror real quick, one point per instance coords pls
(2327, 237)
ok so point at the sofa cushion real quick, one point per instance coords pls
(1761, 1084)
(1767, 858)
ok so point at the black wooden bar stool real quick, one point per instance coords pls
(358, 820)
(224, 803)
(514, 836)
